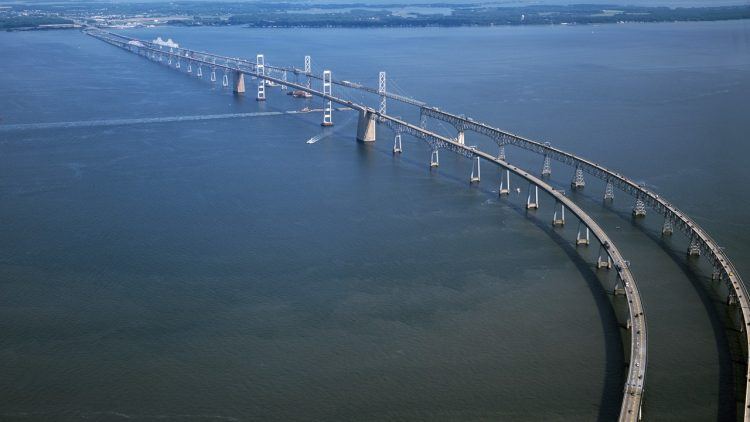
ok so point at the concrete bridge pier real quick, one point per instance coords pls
(667, 228)
(501, 153)
(601, 263)
(619, 286)
(694, 249)
(504, 183)
(609, 191)
(716, 273)
(461, 138)
(397, 144)
(639, 209)
(559, 221)
(239, 83)
(434, 158)
(476, 172)
(366, 126)
(532, 201)
(582, 237)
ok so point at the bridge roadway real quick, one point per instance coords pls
(635, 379)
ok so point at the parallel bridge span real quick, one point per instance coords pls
(231, 63)
(700, 241)
(631, 408)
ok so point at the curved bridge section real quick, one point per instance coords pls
(634, 385)
(700, 242)
(636, 322)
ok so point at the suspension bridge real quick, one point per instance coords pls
(235, 71)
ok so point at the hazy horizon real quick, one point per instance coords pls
(511, 3)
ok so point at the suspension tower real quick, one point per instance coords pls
(381, 92)
(308, 69)
(327, 105)
(260, 71)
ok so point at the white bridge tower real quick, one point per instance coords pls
(327, 104)
(260, 71)
(381, 92)
(308, 69)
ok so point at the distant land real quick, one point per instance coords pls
(16, 16)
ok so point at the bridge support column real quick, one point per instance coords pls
(601, 263)
(200, 71)
(328, 106)
(476, 172)
(561, 220)
(667, 228)
(533, 204)
(609, 191)
(578, 182)
(504, 183)
(190, 67)
(639, 209)
(260, 71)
(546, 166)
(716, 273)
(501, 154)
(434, 158)
(213, 74)
(239, 83)
(582, 237)
(397, 143)
(460, 138)
(694, 248)
(365, 126)
(619, 286)
(225, 79)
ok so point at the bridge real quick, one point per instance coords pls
(609, 254)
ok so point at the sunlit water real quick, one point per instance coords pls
(226, 269)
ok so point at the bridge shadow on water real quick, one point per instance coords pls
(615, 365)
(729, 382)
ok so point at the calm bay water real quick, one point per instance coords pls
(226, 269)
